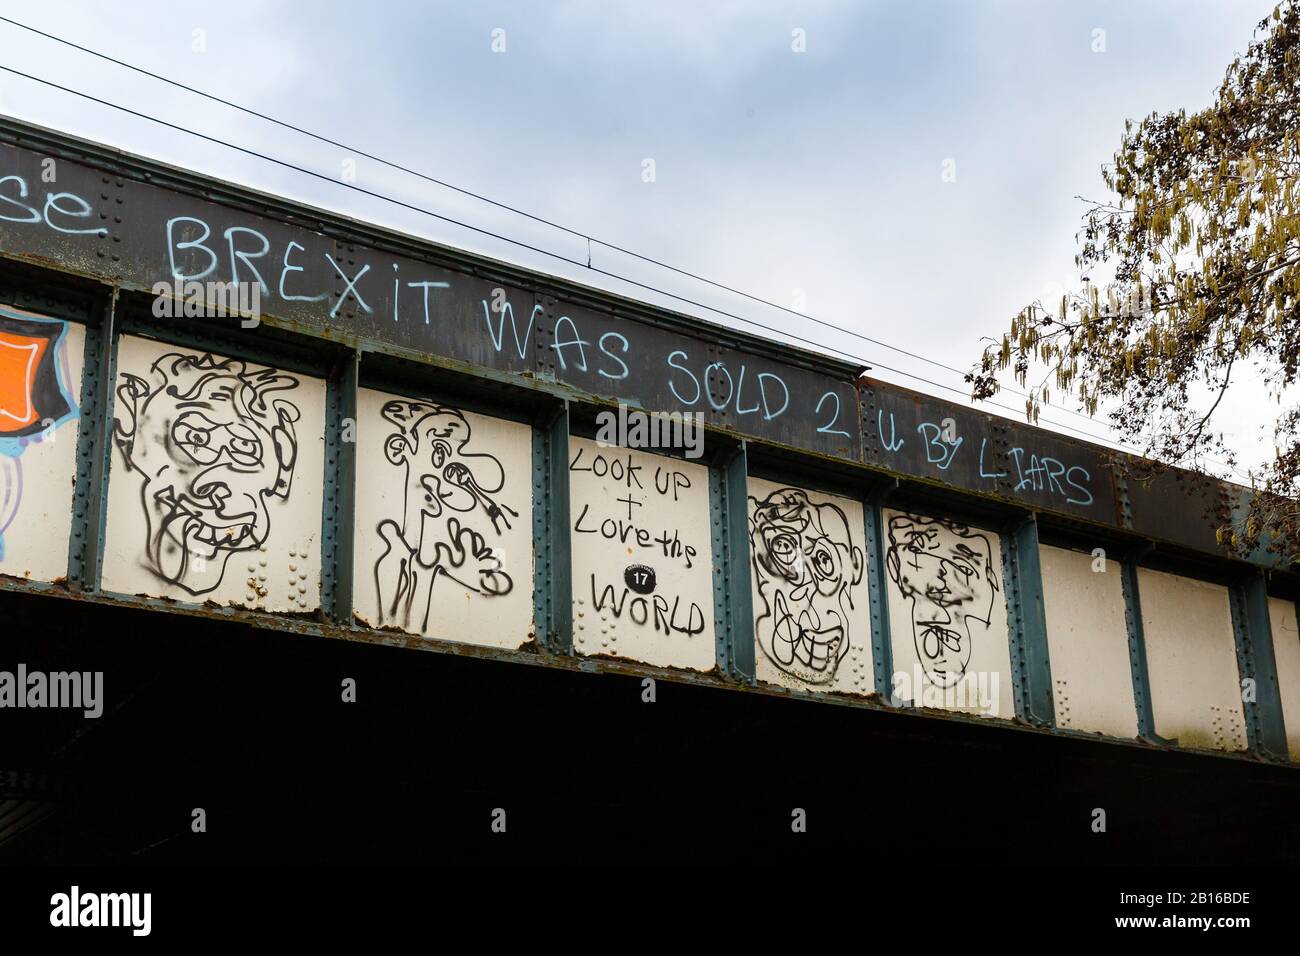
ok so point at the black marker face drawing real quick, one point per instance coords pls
(213, 443)
(805, 565)
(946, 571)
(443, 476)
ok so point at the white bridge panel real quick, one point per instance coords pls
(947, 615)
(444, 522)
(642, 556)
(1286, 652)
(812, 622)
(1087, 638)
(1191, 661)
(216, 481)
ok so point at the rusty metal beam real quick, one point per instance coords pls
(255, 623)
(632, 351)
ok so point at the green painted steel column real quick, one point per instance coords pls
(338, 507)
(94, 445)
(733, 601)
(1137, 647)
(1027, 623)
(882, 649)
(1265, 728)
(552, 550)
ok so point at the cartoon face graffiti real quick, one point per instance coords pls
(213, 443)
(430, 444)
(805, 566)
(946, 570)
(443, 477)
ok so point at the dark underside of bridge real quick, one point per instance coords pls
(249, 725)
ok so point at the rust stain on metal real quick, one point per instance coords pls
(309, 625)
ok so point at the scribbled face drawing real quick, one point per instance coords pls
(428, 445)
(946, 570)
(441, 473)
(213, 445)
(805, 565)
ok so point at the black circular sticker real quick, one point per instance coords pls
(640, 578)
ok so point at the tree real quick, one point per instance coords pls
(1202, 242)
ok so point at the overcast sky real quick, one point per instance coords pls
(782, 173)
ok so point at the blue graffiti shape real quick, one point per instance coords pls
(893, 442)
(938, 451)
(505, 311)
(1045, 474)
(988, 474)
(826, 428)
(34, 398)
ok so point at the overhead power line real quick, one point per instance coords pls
(532, 248)
(513, 209)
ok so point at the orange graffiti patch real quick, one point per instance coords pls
(20, 357)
